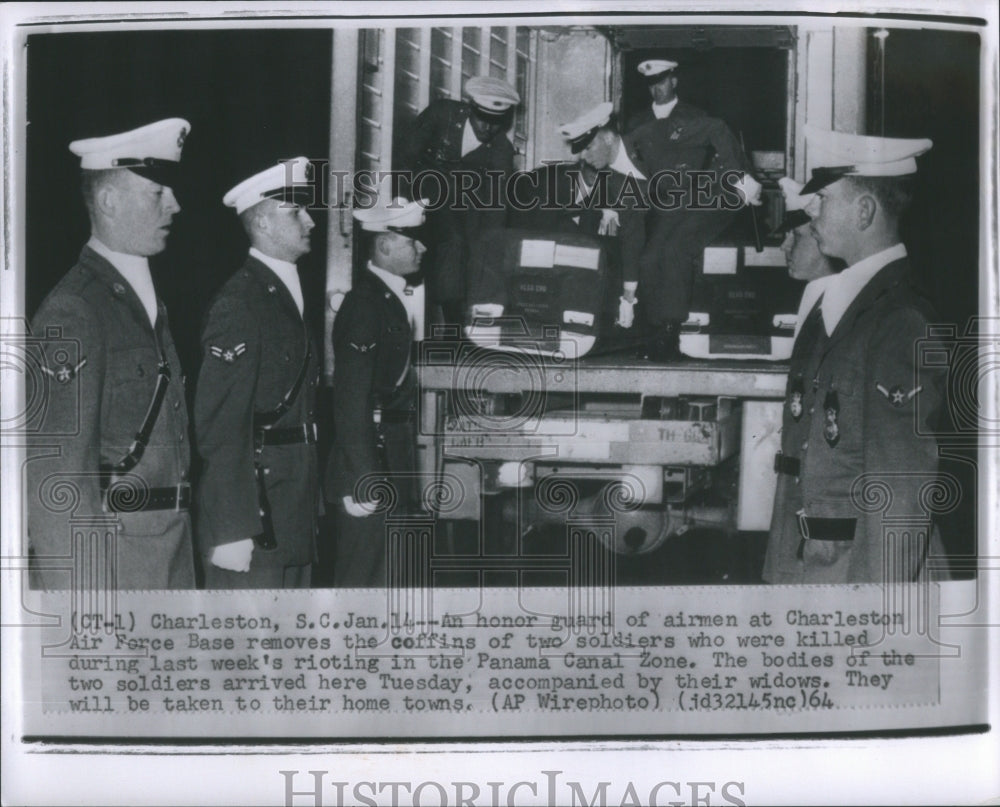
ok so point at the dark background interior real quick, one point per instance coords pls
(252, 98)
(932, 90)
(746, 87)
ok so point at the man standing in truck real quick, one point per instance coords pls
(457, 145)
(698, 178)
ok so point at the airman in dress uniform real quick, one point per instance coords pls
(375, 392)
(115, 426)
(843, 427)
(802, 256)
(688, 211)
(576, 197)
(661, 79)
(593, 136)
(255, 418)
(450, 137)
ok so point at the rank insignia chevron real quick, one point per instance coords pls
(229, 354)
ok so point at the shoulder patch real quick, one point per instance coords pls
(897, 396)
(228, 354)
(64, 373)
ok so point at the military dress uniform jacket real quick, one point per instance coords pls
(643, 116)
(548, 196)
(687, 212)
(857, 448)
(687, 140)
(372, 340)
(254, 343)
(100, 360)
(435, 144)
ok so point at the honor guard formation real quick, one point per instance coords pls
(277, 479)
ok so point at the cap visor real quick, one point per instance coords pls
(418, 233)
(792, 220)
(167, 175)
(821, 177)
(578, 145)
(491, 115)
(293, 196)
(656, 78)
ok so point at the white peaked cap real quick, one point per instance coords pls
(580, 131)
(492, 95)
(282, 181)
(162, 140)
(837, 154)
(390, 213)
(655, 67)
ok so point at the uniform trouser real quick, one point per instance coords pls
(160, 558)
(668, 263)
(830, 561)
(447, 288)
(361, 551)
(361, 546)
(446, 264)
(265, 572)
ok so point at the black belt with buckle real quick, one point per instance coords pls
(303, 433)
(826, 529)
(128, 500)
(823, 529)
(783, 464)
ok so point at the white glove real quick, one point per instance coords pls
(749, 190)
(358, 509)
(609, 223)
(626, 312)
(234, 556)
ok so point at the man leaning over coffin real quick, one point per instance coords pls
(577, 197)
(108, 491)
(255, 405)
(857, 444)
(370, 469)
(593, 136)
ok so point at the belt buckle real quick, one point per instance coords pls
(305, 432)
(803, 523)
(179, 491)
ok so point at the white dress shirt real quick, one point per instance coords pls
(810, 294)
(469, 140)
(135, 270)
(623, 164)
(847, 285)
(413, 303)
(661, 111)
(287, 274)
